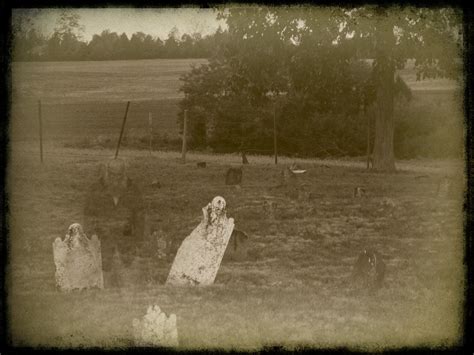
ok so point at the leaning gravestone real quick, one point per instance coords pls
(156, 329)
(78, 260)
(199, 256)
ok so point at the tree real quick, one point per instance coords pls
(264, 65)
(68, 24)
(122, 48)
(65, 42)
(171, 45)
(306, 55)
(392, 36)
(28, 43)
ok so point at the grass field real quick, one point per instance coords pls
(88, 99)
(294, 290)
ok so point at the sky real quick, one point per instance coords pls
(153, 21)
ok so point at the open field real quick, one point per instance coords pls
(84, 99)
(84, 102)
(295, 289)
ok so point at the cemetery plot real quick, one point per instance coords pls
(295, 286)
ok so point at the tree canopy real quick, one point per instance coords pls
(315, 69)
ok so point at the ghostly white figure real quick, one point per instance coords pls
(78, 260)
(156, 329)
(199, 256)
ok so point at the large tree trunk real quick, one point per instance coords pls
(384, 70)
(383, 153)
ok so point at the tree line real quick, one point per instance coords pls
(66, 43)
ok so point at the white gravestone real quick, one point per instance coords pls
(156, 329)
(199, 256)
(78, 260)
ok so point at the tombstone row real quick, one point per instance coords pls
(78, 259)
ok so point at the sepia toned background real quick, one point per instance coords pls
(298, 76)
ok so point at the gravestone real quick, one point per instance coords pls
(359, 191)
(156, 329)
(369, 270)
(78, 260)
(199, 256)
(238, 247)
(233, 176)
(156, 184)
(388, 202)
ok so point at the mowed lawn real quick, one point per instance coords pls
(294, 290)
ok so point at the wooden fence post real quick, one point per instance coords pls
(185, 129)
(121, 131)
(40, 131)
(150, 126)
(368, 136)
(275, 136)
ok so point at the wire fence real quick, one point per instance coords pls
(145, 127)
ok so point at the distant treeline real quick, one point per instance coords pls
(66, 46)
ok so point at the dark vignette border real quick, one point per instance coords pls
(467, 345)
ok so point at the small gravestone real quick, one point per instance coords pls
(233, 176)
(156, 329)
(388, 202)
(237, 249)
(359, 191)
(201, 164)
(78, 260)
(369, 270)
(155, 184)
(199, 256)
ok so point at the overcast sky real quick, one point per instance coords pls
(156, 22)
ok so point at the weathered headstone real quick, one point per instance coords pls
(388, 202)
(359, 191)
(233, 176)
(156, 329)
(156, 184)
(199, 256)
(237, 250)
(369, 270)
(78, 260)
